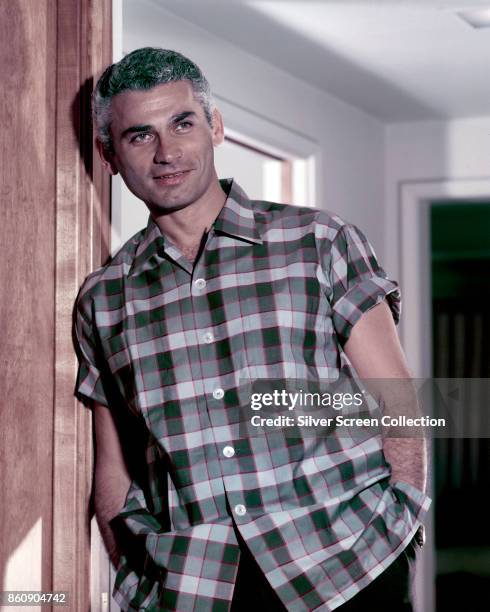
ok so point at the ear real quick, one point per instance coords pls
(106, 157)
(218, 129)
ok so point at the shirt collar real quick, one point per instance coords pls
(236, 218)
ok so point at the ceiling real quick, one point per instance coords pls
(397, 60)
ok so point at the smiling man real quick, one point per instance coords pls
(218, 288)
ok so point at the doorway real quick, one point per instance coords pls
(460, 264)
(260, 173)
(416, 199)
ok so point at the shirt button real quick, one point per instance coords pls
(240, 509)
(218, 394)
(208, 337)
(200, 283)
(228, 451)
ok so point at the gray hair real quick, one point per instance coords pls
(143, 69)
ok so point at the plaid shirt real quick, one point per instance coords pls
(274, 294)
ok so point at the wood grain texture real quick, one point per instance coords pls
(54, 229)
(82, 244)
(27, 226)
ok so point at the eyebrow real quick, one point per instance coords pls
(182, 116)
(135, 129)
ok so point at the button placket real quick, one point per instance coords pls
(218, 393)
(240, 510)
(208, 337)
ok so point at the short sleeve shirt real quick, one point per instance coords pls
(274, 294)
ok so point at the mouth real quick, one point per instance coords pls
(172, 178)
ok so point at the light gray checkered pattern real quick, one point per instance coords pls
(280, 289)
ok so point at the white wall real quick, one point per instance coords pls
(350, 142)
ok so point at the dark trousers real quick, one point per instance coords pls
(390, 591)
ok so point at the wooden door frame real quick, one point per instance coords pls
(84, 48)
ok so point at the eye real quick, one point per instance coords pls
(183, 126)
(141, 138)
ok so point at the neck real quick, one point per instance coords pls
(185, 227)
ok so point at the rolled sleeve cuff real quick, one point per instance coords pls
(359, 299)
(89, 386)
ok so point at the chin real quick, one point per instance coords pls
(168, 207)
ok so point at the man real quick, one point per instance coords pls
(218, 289)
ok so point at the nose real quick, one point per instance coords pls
(167, 152)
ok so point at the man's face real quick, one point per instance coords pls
(163, 146)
